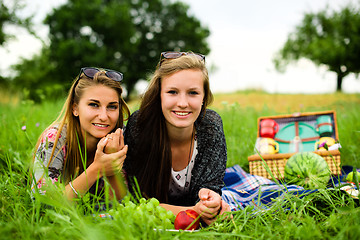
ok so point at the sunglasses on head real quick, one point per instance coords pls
(173, 55)
(91, 71)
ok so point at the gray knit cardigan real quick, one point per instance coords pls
(210, 162)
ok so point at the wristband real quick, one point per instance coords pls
(74, 190)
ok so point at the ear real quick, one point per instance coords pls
(75, 110)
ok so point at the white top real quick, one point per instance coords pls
(180, 180)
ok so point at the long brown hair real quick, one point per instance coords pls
(75, 141)
(153, 155)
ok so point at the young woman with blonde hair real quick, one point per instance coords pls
(85, 143)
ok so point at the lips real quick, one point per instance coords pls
(181, 114)
(100, 125)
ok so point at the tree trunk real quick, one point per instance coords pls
(340, 77)
(130, 86)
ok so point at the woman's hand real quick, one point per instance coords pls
(116, 141)
(225, 207)
(210, 205)
(115, 144)
(109, 163)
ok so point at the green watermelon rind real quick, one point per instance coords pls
(307, 169)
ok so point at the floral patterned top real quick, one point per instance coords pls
(42, 158)
(44, 170)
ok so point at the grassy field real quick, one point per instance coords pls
(324, 215)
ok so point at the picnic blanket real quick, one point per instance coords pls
(243, 189)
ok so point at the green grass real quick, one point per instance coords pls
(324, 215)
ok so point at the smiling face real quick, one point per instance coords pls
(98, 112)
(182, 95)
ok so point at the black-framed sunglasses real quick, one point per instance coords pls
(173, 55)
(91, 71)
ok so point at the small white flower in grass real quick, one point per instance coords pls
(37, 124)
(23, 128)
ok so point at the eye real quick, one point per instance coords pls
(113, 107)
(193, 92)
(171, 92)
(93, 104)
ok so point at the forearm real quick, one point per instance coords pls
(118, 186)
(203, 211)
(175, 209)
(82, 183)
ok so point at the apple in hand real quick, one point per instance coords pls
(185, 218)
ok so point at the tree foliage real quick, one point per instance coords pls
(126, 35)
(35, 79)
(327, 38)
(9, 16)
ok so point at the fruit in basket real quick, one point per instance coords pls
(185, 218)
(307, 169)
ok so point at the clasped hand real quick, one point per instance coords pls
(210, 205)
(111, 153)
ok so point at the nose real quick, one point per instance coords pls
(182, 101)
(102, 114)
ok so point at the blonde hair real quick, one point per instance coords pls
(74, 139)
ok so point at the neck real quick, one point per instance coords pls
(91, 144)
(178, 136)
(181, 148)
(90, 152)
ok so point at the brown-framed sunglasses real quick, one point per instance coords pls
(173, 55)
(91, 71)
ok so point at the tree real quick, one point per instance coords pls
(326, 38)
(34, 78)
(9, 16)
(125, 35)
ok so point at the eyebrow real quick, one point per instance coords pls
(194, 88)
(176, 88)
(97, 101)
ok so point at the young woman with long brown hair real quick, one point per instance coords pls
(177, 149)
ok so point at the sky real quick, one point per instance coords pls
(245, 36)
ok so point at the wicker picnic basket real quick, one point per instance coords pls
(299, 125)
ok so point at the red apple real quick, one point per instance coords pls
(185, 219)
